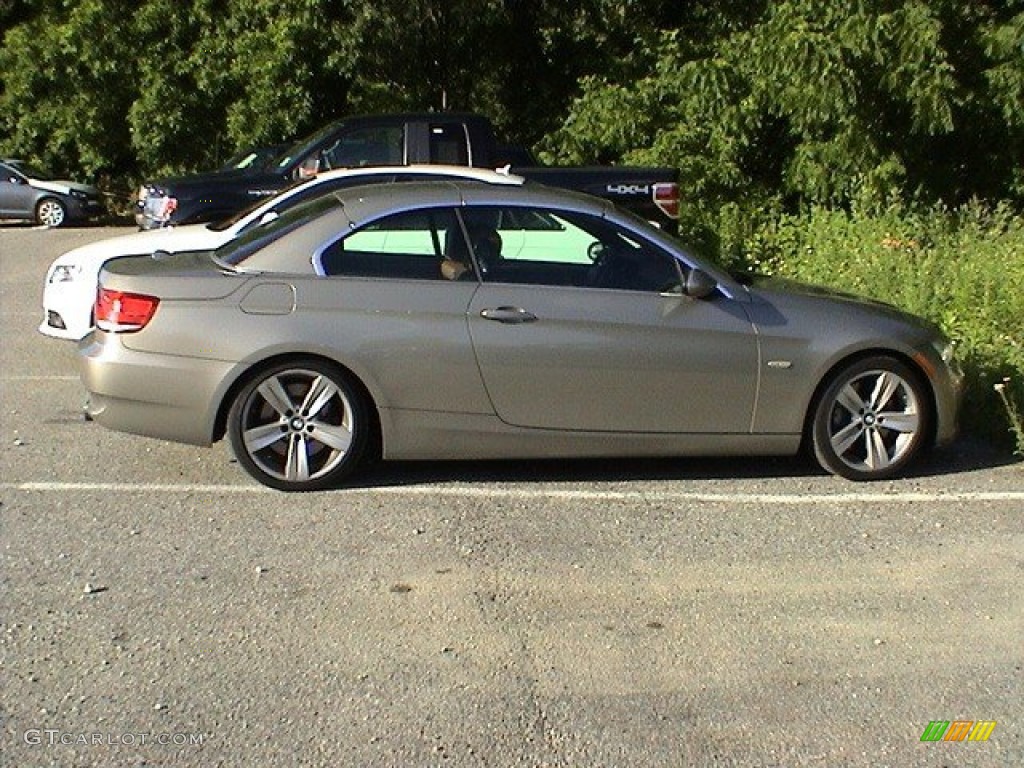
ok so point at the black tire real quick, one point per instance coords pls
(51, 212)
(300, 425)
(872, 419)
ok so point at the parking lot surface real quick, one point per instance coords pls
(160, 608)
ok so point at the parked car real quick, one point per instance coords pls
(69, 290)
(483, 321)
(30, 194)
(401, 139)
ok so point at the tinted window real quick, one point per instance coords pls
(415, 245)
(547, 247)
(448, 145)
(383, 145)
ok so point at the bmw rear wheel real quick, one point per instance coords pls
(872, 419)
(50, 212)
(299, 426)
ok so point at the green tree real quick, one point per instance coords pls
(808, 102)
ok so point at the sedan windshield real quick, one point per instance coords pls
(29, 171)
(230, 221)
(301, 148)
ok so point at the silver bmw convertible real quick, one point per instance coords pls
(462, 320)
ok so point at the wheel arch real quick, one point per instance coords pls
(220, 421)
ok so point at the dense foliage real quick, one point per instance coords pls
(795, 123)
(797, 99)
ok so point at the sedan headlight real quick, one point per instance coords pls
(79, 194)
(65, 273)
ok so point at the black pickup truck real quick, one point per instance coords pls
(394, 140)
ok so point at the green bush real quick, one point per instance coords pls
(963, 269)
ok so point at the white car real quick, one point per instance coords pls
(70, 288)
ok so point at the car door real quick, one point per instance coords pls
(393, 303)
(599, 336)
(17, 197)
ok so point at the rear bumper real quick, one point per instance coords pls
(162, 396)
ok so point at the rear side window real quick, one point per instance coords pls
(415, 245)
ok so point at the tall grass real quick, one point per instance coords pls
(963, 269)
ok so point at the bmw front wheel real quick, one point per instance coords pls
(872, 419)
(299, 426)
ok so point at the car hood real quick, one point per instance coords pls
(779, 289)
(190, 237)
(62, 187)
(199, 183)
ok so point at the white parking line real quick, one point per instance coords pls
(786, 499)
(39, 378)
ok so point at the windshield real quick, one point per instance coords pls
(230, 221)
(301, 148)
(27, 170)
(235, 252)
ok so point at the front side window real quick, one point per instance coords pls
(382, 145)
(548, 247)
(20, 171)
(414, 245)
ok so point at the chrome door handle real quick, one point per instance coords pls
(512, 315)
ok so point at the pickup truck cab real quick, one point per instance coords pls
(398, 139)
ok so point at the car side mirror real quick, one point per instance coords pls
(699, 284)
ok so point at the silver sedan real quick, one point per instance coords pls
(453, 320)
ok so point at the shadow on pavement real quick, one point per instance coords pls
(962, 456)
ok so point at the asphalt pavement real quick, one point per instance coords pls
(160, 608)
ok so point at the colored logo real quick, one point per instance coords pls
(958, 730)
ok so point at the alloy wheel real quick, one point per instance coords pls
(50, 213)
(871, 421)
(298, 428)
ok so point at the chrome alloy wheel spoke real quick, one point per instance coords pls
(877, 454)
(258, 438)
(273, 391)
(899, 421)
(885, 387)
(297, 462)
(847, 437)
(321, 391)
(338, 437)
(851, 400)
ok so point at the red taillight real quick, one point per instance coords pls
(666, 197)
(121, 312)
